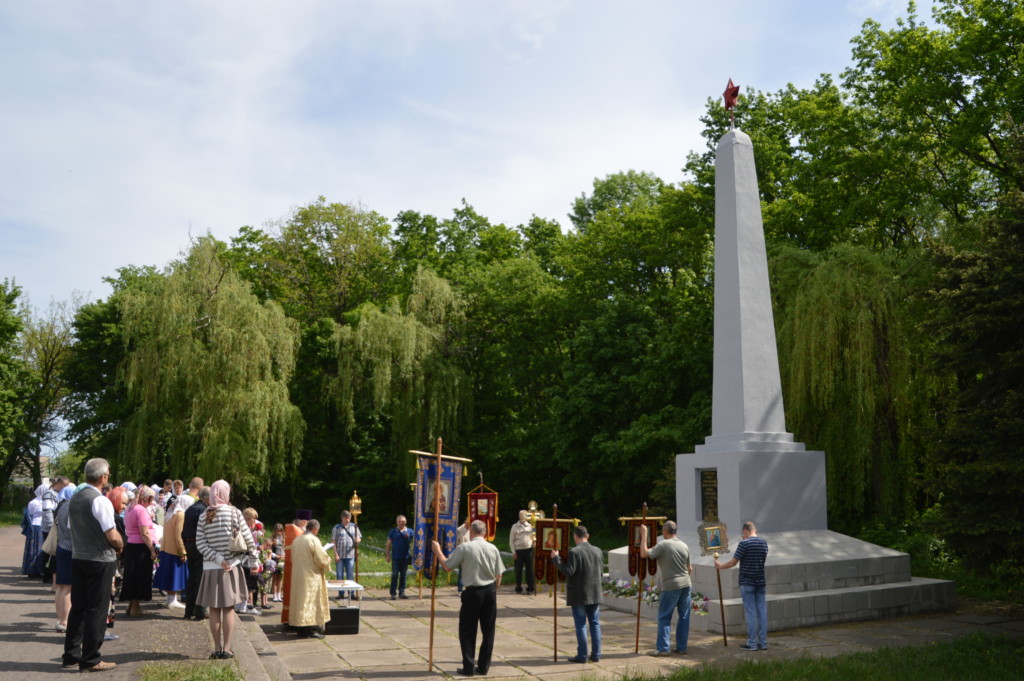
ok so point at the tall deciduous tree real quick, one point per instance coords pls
(98, 406)
(46, 342)
(14, 380)
(323, 261)
(976, 307)
(208, 370)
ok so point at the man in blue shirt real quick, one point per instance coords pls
(397, 553)
(751, 554)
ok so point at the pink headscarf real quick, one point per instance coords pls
(220, 493)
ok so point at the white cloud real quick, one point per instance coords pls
(126, 127)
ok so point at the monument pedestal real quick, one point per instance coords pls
(814, 577)
(775, 489)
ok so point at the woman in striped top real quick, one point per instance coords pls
(223, 583)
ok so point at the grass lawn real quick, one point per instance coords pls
(974, 657)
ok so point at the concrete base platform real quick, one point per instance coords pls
(814, 577)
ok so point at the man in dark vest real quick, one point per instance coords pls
(195, 559)
(93, 560)
(583, 592)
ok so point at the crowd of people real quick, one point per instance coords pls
(120, 543)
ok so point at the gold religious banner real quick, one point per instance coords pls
(713, 536)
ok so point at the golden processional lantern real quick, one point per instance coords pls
(355, 505)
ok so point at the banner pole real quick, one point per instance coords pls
(721, 603)
(641, 573)
(433, 558)
(554, 588)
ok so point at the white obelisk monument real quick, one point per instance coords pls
(749, 468)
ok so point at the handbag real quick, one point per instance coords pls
(50, 545)
(237, 543)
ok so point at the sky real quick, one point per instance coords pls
(128, 127)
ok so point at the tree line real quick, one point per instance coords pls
(301, 360)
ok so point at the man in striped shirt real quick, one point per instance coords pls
(751, 554)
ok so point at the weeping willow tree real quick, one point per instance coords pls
(406, 361)
(854, 383)
(208, 368)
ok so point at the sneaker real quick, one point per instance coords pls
(403, 597)
(744, 646)
(60, 627)
(176, 605)
(68, 666)
(110, 637)
(762, 647)
(255, 611)
(579, 659)
(101, 667)
(595, 658)
(393, 596)
(659, 653)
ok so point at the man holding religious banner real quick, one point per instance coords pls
(673, 556)
(583, 592)
(481, 573)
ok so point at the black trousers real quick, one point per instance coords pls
(195, 577)
(87, 622)
(524, 563)
(479, 607)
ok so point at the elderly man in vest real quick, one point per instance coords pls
(96, 544)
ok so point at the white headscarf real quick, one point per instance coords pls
(184, 501)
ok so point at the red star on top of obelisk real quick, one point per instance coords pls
(730, 95)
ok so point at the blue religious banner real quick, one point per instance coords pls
(433, 499)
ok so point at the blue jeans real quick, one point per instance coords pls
(581, 614)
(345, 569)
(755, 612)
(670, 601)
(398, 569)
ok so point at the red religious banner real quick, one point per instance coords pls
(484, 506)
(639, 565)
(551, 534)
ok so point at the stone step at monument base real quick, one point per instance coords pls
(813, 608)
(808, 560)
(835, 606)
(813, 577)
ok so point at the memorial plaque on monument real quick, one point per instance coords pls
(709, 493)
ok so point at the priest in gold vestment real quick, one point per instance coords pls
(310, 609)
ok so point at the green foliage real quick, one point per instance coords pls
(952, 93)
(977, 303)
(13, 382)
(208, 369)
(848, 347)
(321, 262)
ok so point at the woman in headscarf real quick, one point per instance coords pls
(223, 584)
(62, 578)
(172, 573)
(139, 553)
(31, 527)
